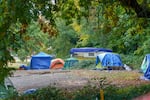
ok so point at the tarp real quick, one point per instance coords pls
(145, 63)
(57, 63)
(145, 67)
(147, 73)
(89, 49)
(40, 61)
(109, 60)
(70, 62)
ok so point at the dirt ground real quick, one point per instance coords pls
(72, 79)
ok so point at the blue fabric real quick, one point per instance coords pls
(30, 91)
(145, 63)
(147, 73)
(40, 61)
(109, 59)
(89, 49)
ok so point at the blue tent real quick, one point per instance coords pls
(145, 63)
(109, 60)
(40, 61)
(145, 67)
(147, 73)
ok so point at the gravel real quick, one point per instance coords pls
(34, 79)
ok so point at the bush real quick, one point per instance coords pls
(126, 93)
(87, 93)
(84, 64)
(134, 61)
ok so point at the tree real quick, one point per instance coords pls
(65, 39)
(115, 23)
(34, 41)
(17, 11)
(141, 7)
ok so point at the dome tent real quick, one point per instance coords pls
(145, 67)
(69, 62)
(40, 61)
(106, 60)
(145, 63)
(57, 63)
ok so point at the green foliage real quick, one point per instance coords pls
(126, 93)
(104, 23)
(34, 41)
(12, 13)
(134, 61)
(65, 40)
(84, 64)
(87, 93)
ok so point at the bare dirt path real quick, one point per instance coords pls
(29, 79)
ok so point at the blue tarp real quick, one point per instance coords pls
(109, 59)
(147, 72)
(40, 61)
(145, 63)
(89, 49)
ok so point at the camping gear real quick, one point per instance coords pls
(29, 91)
(109, 60)
(40, 61)
(145, 63)
(57, 63)
(24, 67)
(70, 62)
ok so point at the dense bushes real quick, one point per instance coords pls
(134, 61)
(85, 64)
(87, 93)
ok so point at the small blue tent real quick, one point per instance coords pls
(109, 60)
(145, 67)
(145, 63)
(40, 61)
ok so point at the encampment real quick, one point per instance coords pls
(57, 63)
(70, 62)
(109, 60)
(40, 61)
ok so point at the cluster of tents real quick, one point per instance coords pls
(46, 61)
(107, 60)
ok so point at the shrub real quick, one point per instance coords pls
(84, 64)
(134, 61)
(87, 93)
